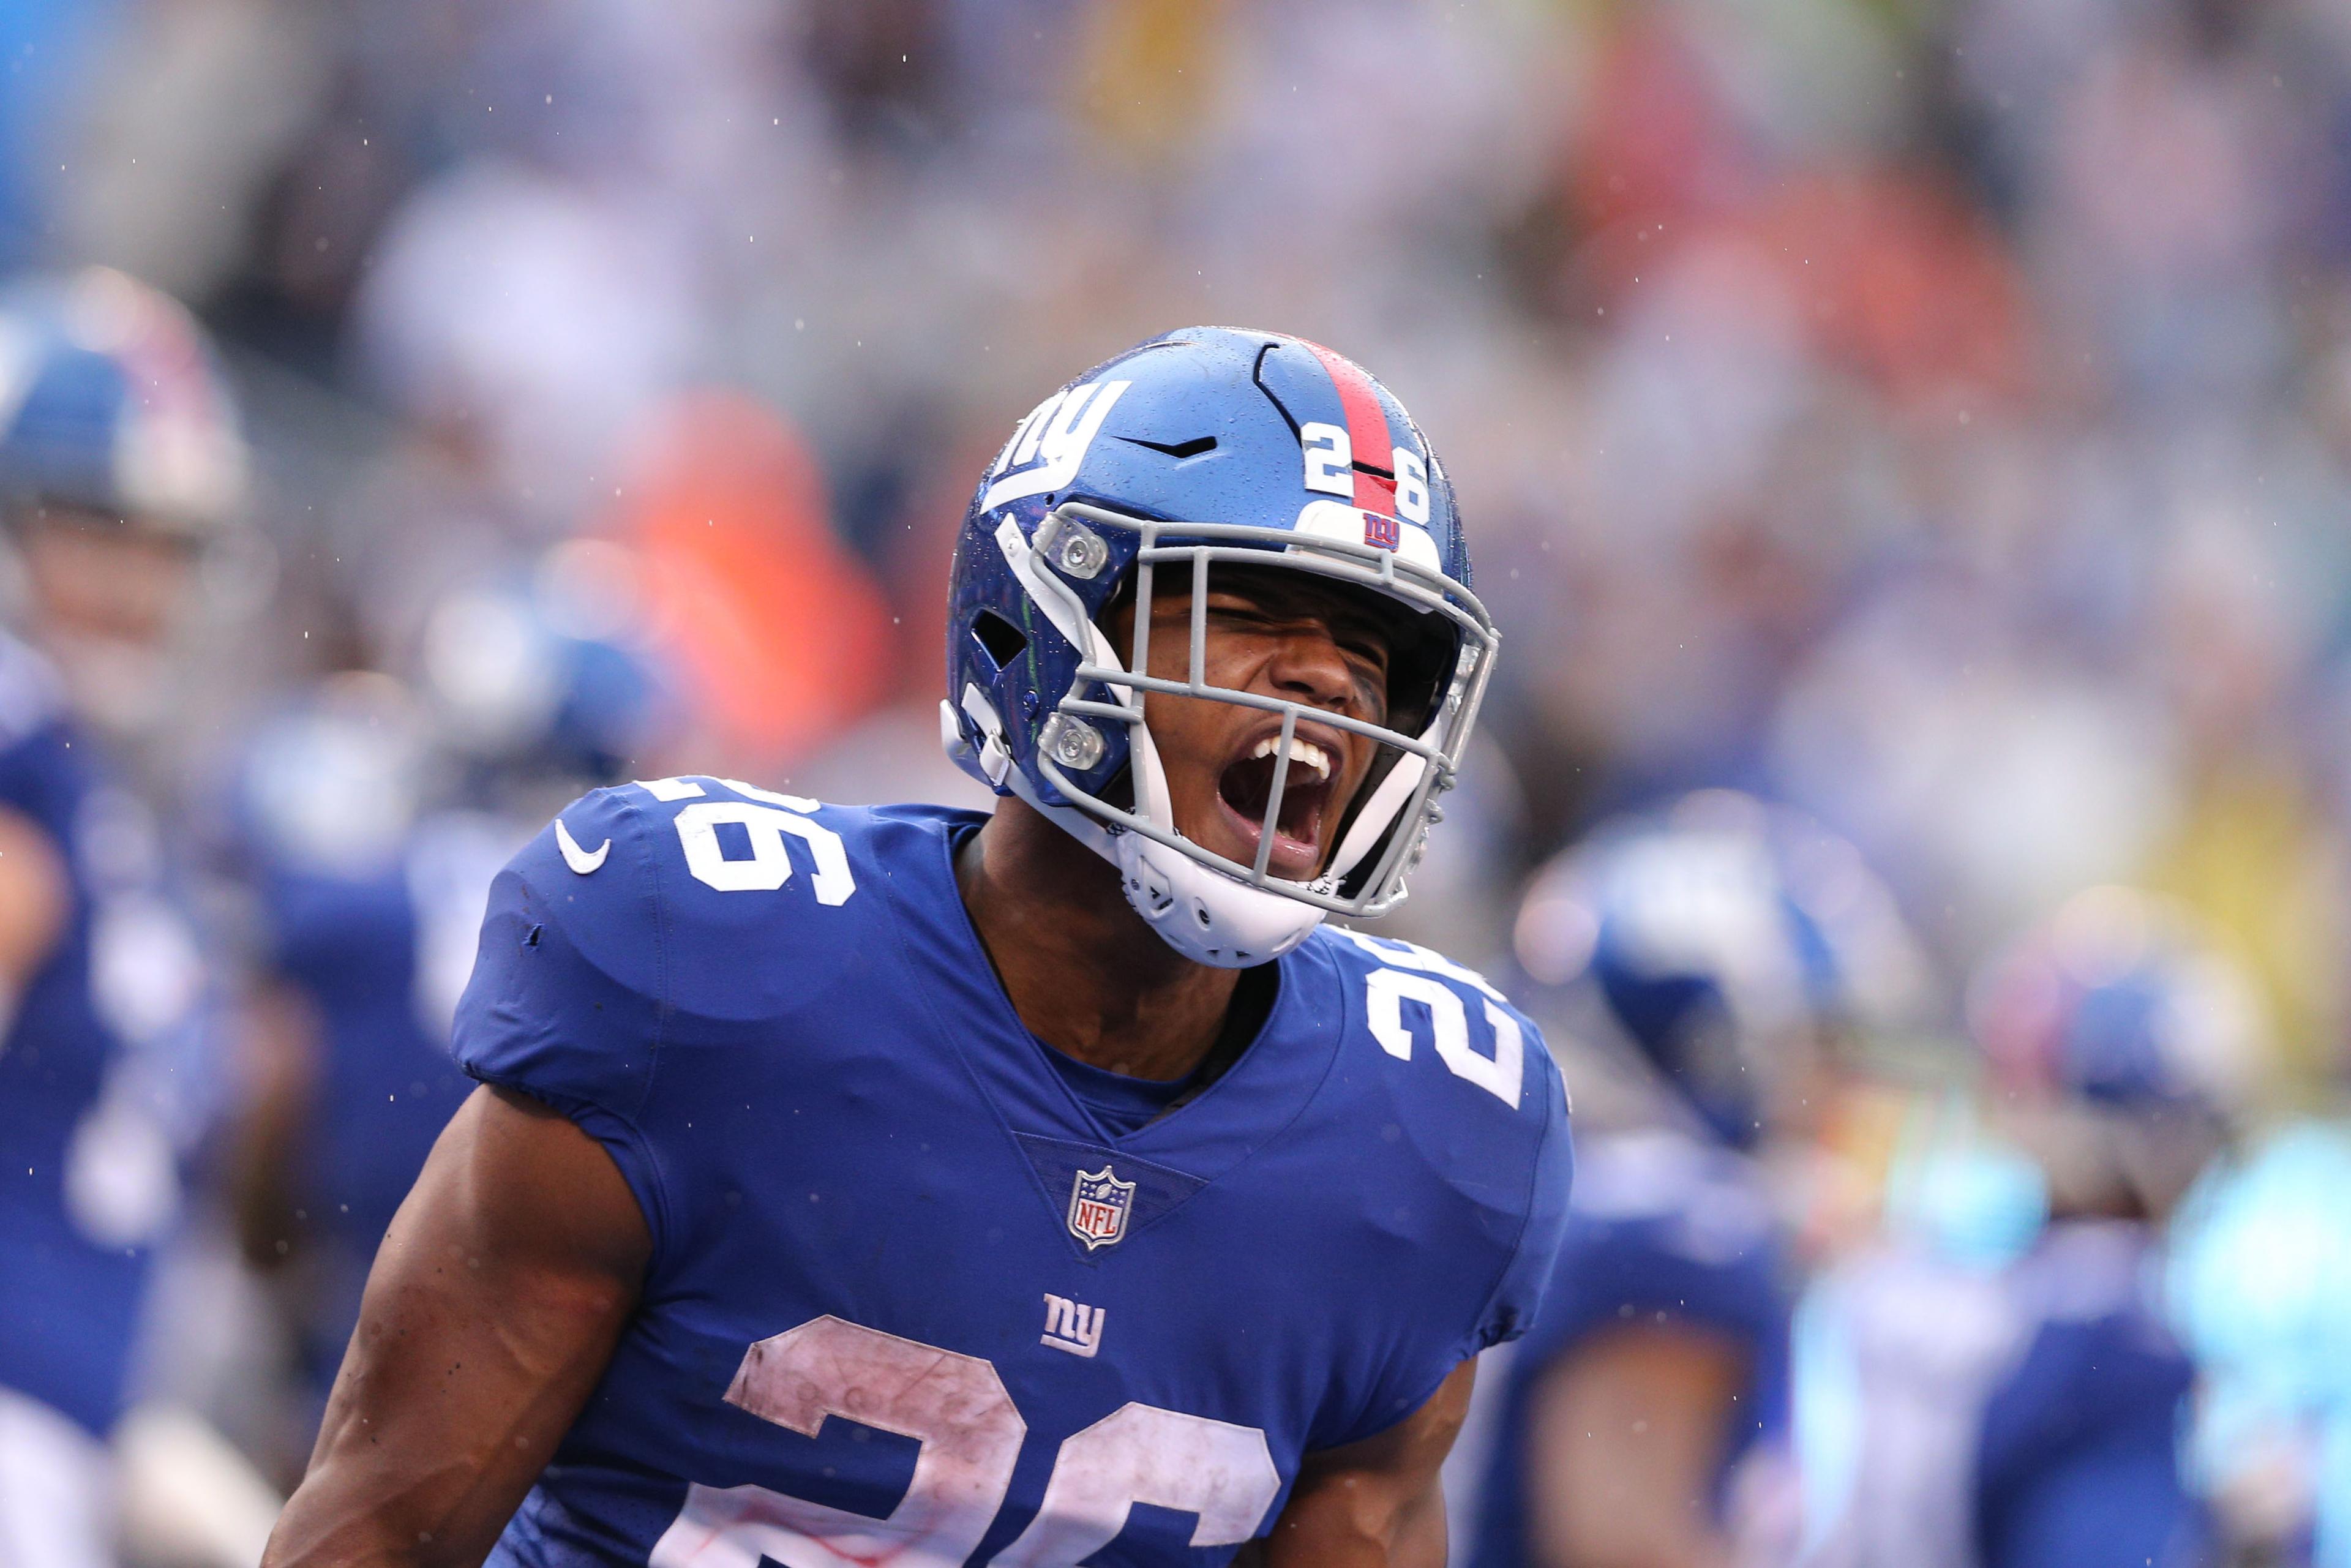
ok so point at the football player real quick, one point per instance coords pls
(371, 822)
(1976, 1410)
(120, 458)
(1705, 956)
(907, 1186)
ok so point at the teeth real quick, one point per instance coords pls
(1300, 751)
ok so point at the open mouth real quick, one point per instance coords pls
(1246, 787)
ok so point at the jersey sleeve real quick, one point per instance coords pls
(1487, 1208)
(1519, 1293)
(567, 999)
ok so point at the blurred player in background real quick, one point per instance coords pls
(120, 461)
(374, 813)
(1700, 963)
(2022, 1405)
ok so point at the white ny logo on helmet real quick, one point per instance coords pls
(1055, 437)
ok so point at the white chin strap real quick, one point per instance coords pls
(1207, 916)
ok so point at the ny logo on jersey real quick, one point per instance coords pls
(1072, 1326)
(1099, 1205)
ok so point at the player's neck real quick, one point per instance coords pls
(1085, 974)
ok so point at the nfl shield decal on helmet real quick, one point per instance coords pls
(1099, 1205)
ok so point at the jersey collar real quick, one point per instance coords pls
(1264, 1091)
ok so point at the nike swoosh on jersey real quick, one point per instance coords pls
(579, 859)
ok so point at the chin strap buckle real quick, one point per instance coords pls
(993, 757)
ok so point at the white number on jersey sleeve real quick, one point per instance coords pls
(770, 865)
(1140, 1453)
(954, 1406)
(1502, 1074)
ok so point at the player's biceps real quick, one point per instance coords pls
(518, 1245)
(1336, 1519)
(470, 1346)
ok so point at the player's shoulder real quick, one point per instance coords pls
(1470, 1112)
(1424, 1011)
(712, 864)
(726, 836)
(669, 910)
(1458, 1081)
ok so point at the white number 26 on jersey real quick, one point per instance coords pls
(955, 1407)
(1415, 975)
(766, 819)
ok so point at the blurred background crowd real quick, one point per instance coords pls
(1930, 417)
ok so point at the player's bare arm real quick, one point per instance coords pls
(490, 1314)
(1374, 1502)
(1624, 1444)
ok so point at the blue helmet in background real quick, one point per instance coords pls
(2121, 1046)
(2121, 1000)
(1724, 938)
(550, 678)
(112, 401)
(1210, 445)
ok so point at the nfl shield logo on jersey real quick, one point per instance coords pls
(1099, 1205)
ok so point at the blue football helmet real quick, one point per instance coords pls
(1210, 445)
(549, 679)
(110, 401)
(2119, 1000)
(1725, 939)
(335, 779)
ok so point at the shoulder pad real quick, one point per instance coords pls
(759, 891)
(1495, 1137)
(1408, 992)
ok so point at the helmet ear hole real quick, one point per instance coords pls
(998, 639)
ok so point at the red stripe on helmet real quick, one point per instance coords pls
(1367, 430)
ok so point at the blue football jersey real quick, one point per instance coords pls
(380, 950)
(2029, 1417)
(1664, 1230)
(909, 1298)
(2077, 1461)
(103, 1068)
